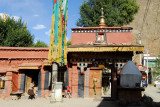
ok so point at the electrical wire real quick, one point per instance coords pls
(145, 14)
(155, 30)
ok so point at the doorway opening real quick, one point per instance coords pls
(106, 82)
(32, 79)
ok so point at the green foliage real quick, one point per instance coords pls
(116, 12)
(158, 62)
(69, 43)
(40, 44)
(158, 65)
(14, 34)
(156, 70)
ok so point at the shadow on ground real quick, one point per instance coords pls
(144, 102)
(148, 101)
(109, 102)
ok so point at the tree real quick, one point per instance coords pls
(156, 70)
(69, 43)
(40, 44)
(13, 33)
(116, 12)
(158, 65)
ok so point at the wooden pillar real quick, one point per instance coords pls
(114, 82)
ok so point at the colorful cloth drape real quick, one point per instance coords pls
(58, 45)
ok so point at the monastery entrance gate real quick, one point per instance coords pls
(92, 73)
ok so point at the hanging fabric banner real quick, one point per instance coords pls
(58, 47)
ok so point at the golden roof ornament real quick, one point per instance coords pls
(102, 21)
(102, 12)
(4, 17)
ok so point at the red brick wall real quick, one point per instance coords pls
(119, 38)
(7, 88)
(11, 52)
(9, 80)
(42, 82)
(12, 57)
(83, 38)
(74, 82)
(114, 38)
(70, 77)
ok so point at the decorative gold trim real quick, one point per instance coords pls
(105, 49)
(29, 67)
(101, 66)
(47, 64)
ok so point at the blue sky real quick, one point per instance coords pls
(37, 15)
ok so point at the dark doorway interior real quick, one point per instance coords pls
(106, 82)
(62, 76)
(31, 77)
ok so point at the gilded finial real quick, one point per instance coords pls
(102, 12)
(102, 21)
(4, 17)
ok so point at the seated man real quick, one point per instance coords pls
(31, 92)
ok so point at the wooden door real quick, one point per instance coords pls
(28, 82)
(14, 82)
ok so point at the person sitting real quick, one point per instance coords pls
(31, 92)
(68, 92)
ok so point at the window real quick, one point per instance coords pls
(100, 37)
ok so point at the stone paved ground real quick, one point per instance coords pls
(42, 102)
(86, 102)
(153, 92)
